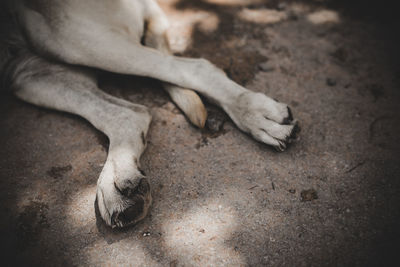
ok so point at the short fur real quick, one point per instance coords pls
(48, 45)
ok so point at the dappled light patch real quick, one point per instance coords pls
(201, 29)
(202, 234)
(262, 16)
(323, 17)
(235, 2)
(100, 253)
(80, 209)
(183, 24)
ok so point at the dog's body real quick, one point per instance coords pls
(52, 42)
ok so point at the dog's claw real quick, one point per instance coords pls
(289, 118)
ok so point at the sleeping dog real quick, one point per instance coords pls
(47, 47)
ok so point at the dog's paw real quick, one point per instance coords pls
(265, 119)
(122, 204)
(276, 135)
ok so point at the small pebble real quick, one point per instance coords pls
(266, 67)
(146, 234)
(308, 195)
(330, 82)
(215, 120)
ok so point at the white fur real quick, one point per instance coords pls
(106, 34)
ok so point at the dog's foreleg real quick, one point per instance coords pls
(95, 38)
(156, 37)
(123, 194)
(265, 119)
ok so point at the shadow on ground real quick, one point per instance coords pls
(221, 198)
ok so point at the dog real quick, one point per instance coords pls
(49, 56)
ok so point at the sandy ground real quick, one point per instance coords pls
(220, 198)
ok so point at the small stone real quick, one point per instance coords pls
(308, 195)
(215, 121)
(266, 67)
(202, 231)
(292, 191)
(146, 234)
(330, 82)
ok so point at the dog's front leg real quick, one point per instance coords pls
(265, 119)
(123, 193)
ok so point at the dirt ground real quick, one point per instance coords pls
(220, 198)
